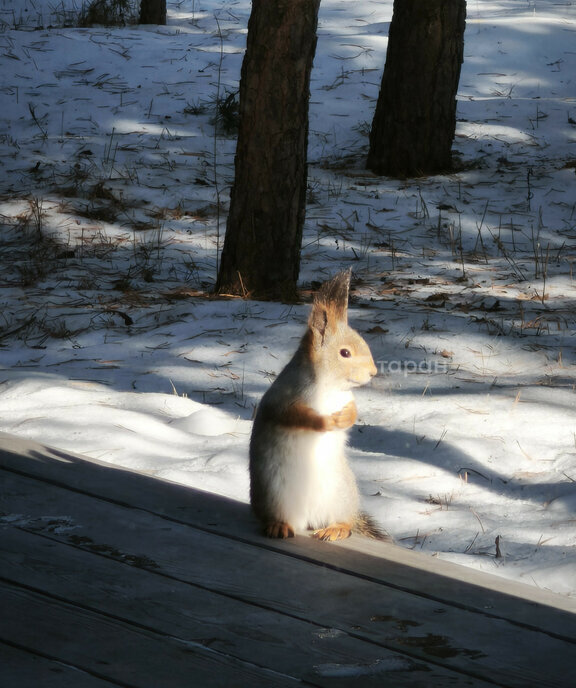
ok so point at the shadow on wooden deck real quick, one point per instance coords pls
(112, 578)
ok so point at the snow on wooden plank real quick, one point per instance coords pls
(110, 649)
(423, 629)
(136, 596)
(90, 577)
(22, 669)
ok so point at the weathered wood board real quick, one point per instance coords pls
(110, 577)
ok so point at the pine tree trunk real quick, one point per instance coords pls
(261, 253)
(415, 120)
(153, 12)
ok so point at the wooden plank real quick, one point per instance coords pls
(291, 646)
(467, 642)
(392, 565)
(113, 650)
(21, 669)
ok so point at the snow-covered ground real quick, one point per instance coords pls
(113, 194)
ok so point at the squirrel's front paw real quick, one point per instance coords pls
(345, 417)
(278, 529)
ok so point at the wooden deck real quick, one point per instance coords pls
(112, 578)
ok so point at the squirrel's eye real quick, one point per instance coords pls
(345, 353)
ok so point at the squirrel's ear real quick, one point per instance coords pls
(330, 304)
(318, 323)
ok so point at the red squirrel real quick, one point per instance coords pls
(299, 475)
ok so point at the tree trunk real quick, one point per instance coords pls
(415, 120)
(153, 12)
(261, 254)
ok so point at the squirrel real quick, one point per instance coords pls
(299, 476)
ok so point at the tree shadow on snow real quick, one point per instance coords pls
(454, 461)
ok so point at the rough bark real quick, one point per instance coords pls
(153, 12)
(415, 119)
(261, 253)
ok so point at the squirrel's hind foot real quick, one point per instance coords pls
(337, 531)
(278, 529)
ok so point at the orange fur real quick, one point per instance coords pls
(299, 416)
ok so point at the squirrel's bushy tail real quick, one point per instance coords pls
(365, 525)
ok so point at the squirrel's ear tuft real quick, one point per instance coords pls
(330, 305)
(333, 294)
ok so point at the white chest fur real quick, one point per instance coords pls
(316, 485)
(327, 401)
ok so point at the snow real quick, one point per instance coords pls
(113, 194)
(380, 666)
